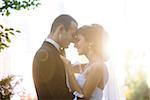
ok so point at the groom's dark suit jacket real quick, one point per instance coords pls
(49, 74)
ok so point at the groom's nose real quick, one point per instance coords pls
(75, 37)
(75, 45)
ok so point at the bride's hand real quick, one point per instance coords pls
(66, 61)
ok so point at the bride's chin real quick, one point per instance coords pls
(80, 53)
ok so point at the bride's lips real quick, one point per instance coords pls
(78, 48)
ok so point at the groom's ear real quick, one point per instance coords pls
(60, 29)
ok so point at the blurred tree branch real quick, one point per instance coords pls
(6, 6)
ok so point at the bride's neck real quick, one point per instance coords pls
(92, 57)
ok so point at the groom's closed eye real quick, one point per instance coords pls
(73, 34)
(76, 40)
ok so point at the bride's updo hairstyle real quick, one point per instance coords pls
(96, 36)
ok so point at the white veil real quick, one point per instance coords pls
(112, 90)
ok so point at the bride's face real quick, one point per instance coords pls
(81, 45)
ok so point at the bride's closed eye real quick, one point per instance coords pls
(76, 39)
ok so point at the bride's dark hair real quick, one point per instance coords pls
(96, 35)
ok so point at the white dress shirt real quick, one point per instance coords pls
(53, 43)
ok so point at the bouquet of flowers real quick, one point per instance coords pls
(7, 86)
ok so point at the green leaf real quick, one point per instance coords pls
(6, 35)
(1, 26)
(18, 31)
(4, 45)
(1, 48)
(6, 29)
(7, 39)
(7, 13)
(2, 35)
(11, 33)
(11, 29)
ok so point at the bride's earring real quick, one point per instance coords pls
(90, 47)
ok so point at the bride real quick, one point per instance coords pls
(89, 84)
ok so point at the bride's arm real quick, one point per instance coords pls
(78, 68)
(70, 71)
(93, 78)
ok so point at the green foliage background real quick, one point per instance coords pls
(136, 81)
(6, 6)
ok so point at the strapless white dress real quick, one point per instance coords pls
(97, 93)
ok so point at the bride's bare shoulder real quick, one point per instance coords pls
(97, 66)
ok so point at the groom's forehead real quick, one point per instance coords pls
(73, 28)
(74, 24)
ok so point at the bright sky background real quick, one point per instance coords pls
(126, 21)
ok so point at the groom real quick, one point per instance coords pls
(48, 69)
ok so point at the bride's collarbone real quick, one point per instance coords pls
(95, 64)
(88, 67)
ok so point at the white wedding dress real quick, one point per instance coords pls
(112, 91)
(97, 93)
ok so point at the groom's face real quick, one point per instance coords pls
(69, 35)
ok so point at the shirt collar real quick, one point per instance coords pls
(54, 43)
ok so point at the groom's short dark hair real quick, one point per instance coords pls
(63, 19)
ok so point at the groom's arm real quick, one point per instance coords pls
(53, 75)
(46, 71)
